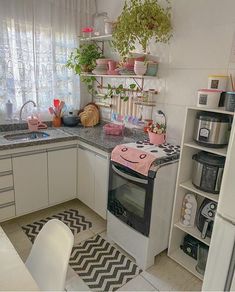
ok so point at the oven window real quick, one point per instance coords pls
(129, 194)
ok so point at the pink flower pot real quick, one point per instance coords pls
(112, 65)
(156, 139)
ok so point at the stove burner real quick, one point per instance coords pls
(140, 146)
(168, 150)
(139, 142)
(154, 151)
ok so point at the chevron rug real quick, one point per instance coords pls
(71, 218)
(102, 266)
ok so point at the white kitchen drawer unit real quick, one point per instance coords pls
(6, 181)
(7, 212)
(5, 164)
(7, 197)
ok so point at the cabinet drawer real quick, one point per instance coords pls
(6, 181)
(7, 197)
(5, 165)
(7, 212)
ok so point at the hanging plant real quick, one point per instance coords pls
(139, 22)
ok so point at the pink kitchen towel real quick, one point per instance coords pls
(134, 159)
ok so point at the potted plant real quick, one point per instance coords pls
(139, 22)
(157, 133)
(83, 59)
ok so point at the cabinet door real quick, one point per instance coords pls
(62, 175)
(86, 161)
(101, 169)
(30, 182)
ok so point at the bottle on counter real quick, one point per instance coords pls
(9, 110)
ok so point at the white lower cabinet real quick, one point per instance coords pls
(93, 170)
(62, 174)
(101, 170)
(30, 182)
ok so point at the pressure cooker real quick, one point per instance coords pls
(212, 129)
(208, 171)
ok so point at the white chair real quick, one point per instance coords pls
(49, 257)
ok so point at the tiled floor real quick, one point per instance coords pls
(165, 275)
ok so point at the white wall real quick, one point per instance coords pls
(202, 42)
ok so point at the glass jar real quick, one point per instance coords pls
(99, 23)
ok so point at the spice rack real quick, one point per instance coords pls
(184, 185)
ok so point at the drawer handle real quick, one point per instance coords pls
(7, 205)
(6, 190)
(28, 153)
(4, 173)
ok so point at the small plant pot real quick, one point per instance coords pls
(156, 139)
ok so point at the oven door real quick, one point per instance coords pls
(130, 197)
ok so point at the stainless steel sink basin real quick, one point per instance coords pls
(26, 136)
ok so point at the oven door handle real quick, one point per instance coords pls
(130, 177)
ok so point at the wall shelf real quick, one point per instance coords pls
(190, 187)
(218, 151)
(193, 231)
(99, 38)
(120, 76)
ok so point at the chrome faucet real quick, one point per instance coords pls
(21, 109)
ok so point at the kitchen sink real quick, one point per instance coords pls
(26, 136)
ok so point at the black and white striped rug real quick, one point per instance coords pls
(71, 218)
(102, 266)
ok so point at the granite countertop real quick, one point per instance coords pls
(55, 135)
(93, 136)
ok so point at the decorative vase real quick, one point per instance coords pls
(156, 139)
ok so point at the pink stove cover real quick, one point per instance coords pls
(139, 156)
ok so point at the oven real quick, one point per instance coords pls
(130, 197)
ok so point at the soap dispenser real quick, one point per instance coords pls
(9, 110)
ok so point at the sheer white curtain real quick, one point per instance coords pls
(36, 38)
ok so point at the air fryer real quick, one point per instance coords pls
(205, 217)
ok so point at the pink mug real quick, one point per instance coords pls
(112, 65)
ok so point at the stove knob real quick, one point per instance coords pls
(211, 214)
(212, 206)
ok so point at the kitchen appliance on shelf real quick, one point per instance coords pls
(205, 217)
(212, 129)
(140, 205)
(219, 274)
(202, 255)
(190, 246)
(208, 171)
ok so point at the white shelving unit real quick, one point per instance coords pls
(120, 76)
(184, 186)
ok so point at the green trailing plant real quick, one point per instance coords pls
(139, 22)
(120, 91)
(83, 60)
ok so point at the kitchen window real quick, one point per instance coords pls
(36, 38)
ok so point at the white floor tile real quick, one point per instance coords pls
(137, 284)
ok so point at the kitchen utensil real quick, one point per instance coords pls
(188, 210)
(212, 129)
(205, 217)
(202, 258)
(207, 171)
(218, 82)
(70, 120)
(208, 98)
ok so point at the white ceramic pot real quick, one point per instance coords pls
(208, 98)
(140, 68)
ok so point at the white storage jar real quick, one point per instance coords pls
(208, 98)
(218, 82)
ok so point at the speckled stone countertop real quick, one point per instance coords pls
(93, 136)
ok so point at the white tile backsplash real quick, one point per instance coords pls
(203, 35)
